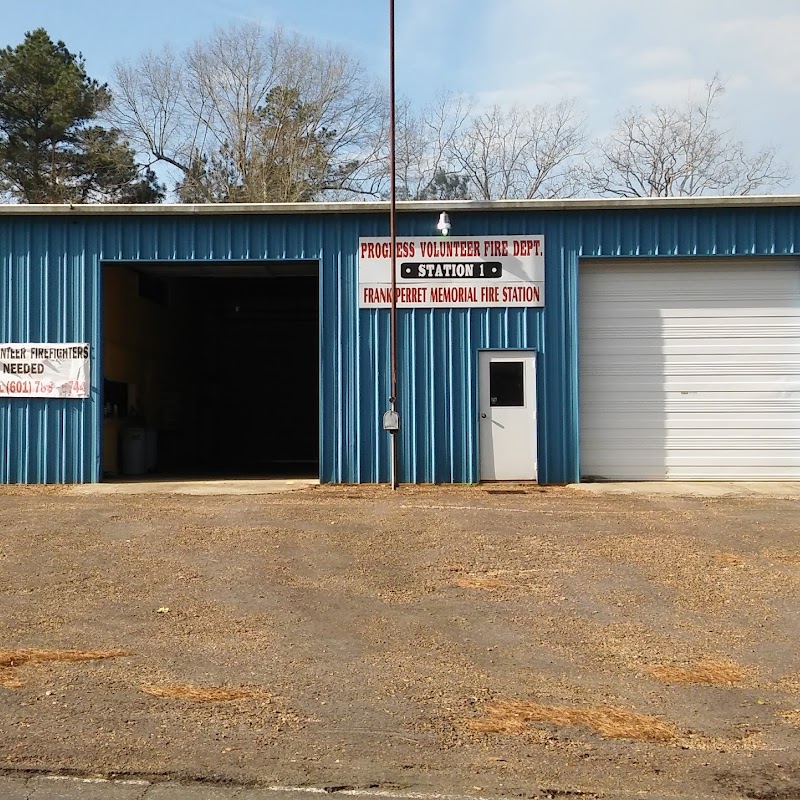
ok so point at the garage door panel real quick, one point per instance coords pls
(648, 313)
(708, 449)
(637, 344)
(748, 472)
(702, 388)
(748, 383)
(658, 304)
(786, 365)
(705, 344)
(724, 424)
(727, 469)
(651, 276)
(709, 444)
(713, 404)
(690, 370)
(658, 472)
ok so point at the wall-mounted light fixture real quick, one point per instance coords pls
(443, 224)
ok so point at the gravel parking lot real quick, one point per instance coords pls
(521, 641)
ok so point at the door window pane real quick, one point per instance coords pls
(506, 385)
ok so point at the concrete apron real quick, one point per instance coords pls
(194, 487)
(781, 489)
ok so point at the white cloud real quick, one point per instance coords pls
(547, 88)
(519, 57)
(658, 57)
(767, 46)
(668, 91)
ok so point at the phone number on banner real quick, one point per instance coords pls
(42, 389)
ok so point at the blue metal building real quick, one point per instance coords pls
(51, 288)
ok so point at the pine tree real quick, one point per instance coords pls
(51, 148)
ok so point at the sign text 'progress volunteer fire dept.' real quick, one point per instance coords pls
(453, 272)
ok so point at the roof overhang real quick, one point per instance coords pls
(381, 207)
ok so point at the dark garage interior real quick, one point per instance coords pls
(211, 370)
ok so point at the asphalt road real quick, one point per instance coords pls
(73, 788)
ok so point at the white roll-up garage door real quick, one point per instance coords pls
(690, 370)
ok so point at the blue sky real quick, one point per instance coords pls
(608, 54)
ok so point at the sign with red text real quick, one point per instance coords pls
(453, 272)
(44, 370)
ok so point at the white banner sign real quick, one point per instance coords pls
(453, 272)
(44, 370)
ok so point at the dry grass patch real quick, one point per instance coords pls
(792, 717)
(202, 694)
(512, 716)
(11, 659)
(36, 655)
(487, 583)
(785, 557)
(705, 673)
(749, 741)
(730, 559)
(29, 488)
(8, 679)
(790, 683)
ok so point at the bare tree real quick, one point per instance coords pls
(522, 152)
(248, 115)
(680, 151)
(425, 142)
(453, 150)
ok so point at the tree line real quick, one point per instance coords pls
(251, 115)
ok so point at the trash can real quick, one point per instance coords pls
(134, 451)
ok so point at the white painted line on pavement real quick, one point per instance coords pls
(410, 795)
(390, 793)
(393, 793)
(76, 779)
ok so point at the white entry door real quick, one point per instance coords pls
(507, 389)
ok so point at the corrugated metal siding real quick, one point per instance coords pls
(437, 380)
(47, 293)
(50, 291)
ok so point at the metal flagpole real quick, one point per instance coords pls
(394, 433)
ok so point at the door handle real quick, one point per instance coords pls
(483, 416)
